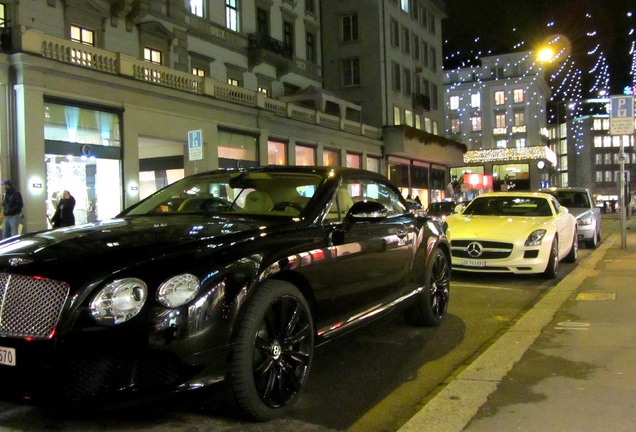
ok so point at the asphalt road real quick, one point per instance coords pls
(373, 380)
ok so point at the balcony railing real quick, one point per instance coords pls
(85, 56)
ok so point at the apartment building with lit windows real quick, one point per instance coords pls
(386, 57)
(498, 109)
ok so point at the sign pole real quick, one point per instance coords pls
(622, 123)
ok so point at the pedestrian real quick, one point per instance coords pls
(11, 210)
(64, 213)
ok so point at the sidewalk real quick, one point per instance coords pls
(569, 364)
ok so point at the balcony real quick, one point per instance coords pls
(123, 65)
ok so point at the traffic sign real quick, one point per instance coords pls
(195, 145)
(622, 115)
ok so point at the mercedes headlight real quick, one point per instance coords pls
(535, 238)
(587, 220)
(119, 301)
(178, 290)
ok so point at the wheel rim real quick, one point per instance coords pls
(555, 257)
(282, 351)
(440, 284)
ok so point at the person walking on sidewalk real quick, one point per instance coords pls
(11, 210)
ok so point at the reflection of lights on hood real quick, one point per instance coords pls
(113, 244)
(16, 245)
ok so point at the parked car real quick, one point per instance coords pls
(441, 209)
(522, 233)
(231, 276)
(580, 203)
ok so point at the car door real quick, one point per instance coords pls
(371, 259)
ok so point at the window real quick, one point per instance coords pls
(276, 153)
(331, 158)
(408, 117)
(598, 159)
(349, 28)
(406, 40)
(520, 142)
(500, 120)
(80, 35)
(416, 47)
(502, 143)
(351, 72)
(354, 160)
(454, 103)
(433, 61)
(520, 119)
(425, 55)
(519, 95)
(395, 33)
(198, 72)
(152, 55)
(431, 23)
(196, 7)
(373, 164)
(310, 47)
(233, 81)
(305, 155)
(288, 35)
(397, 116)
(607, 176)
(500, 97)
(3, 19)
(475, 100)
(404, 5)
(310, 6)
(407, 81)
(423, 16)
(599, 176)
(397, 84)
(262, 22)
(232, 15)
(455, 126)
(475, 123)
(266, 91)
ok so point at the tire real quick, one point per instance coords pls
(594, 241)
(573, 255)
(552, 266)
(273, 351)
(432, 303)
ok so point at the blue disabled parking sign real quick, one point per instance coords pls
(195, 145)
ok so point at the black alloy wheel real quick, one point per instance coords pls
(432, 303)
(273, 351)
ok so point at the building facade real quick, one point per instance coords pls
(386, 57)
(498, 109)
(113, 100)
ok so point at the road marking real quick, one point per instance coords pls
(596, 296)
(572, 325)
(493, 287)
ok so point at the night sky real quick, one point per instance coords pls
(489, 27)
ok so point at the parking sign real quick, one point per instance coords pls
(622, 115)
(195, 145)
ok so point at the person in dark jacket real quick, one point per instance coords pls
(11, 210)
(64, 213)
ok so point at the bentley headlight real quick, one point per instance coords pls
(178, 290)
(535, 238)
(119, 301)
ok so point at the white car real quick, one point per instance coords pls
(582, 206)
(508, 232)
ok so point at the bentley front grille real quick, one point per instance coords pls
(30, 306)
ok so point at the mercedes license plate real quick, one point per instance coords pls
(474, 263)
(7, 356)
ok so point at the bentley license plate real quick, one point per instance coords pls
(7, 356)
(474, 263)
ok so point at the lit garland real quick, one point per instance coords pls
(510, 154)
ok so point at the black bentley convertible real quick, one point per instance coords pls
(228, 277)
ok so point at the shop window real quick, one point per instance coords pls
(276, 153)
(305, 155)
(237, 149)
(354, 160)
(331, 158)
